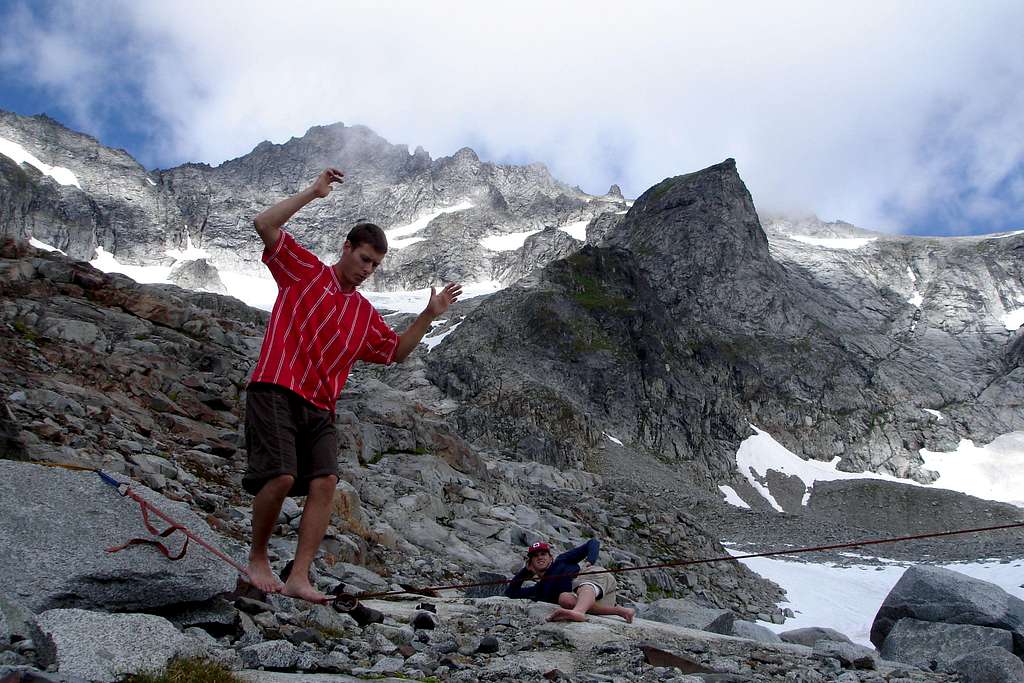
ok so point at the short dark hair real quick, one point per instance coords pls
(368, 233)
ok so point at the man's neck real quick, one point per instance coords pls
(346, 287)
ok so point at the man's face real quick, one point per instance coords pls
(358, 263)
(539, 562)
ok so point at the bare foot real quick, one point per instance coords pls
(562, 614)
(303, 590)
(627, 613)
(263, 577)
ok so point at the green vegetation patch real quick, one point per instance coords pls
(592, 295)
(188, 671)
(25, 331)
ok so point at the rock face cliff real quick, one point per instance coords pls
(687, 325)
(116, 204)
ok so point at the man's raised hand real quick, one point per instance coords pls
(440, 301)
(322, 187)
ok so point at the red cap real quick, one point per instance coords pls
(538, 547)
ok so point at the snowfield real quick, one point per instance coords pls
(847, 598)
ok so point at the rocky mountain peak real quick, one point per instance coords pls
(700, 226)
(615, 191)
(466, 156)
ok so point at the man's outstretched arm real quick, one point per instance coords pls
(268, 223)
(437, 305)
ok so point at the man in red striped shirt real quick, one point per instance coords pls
(319, 327)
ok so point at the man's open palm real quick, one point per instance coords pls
(440, 301)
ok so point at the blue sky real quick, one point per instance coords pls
(904, 117)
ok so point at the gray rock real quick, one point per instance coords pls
(271, 654)
(812, 634)
(11, 443)
(937, 594)
(24, 674)
(52, 552)
(328, 620)
(932, 645)
(106, 647)
(18, 625)
(752, 631)
(688, 614)
(850, 655)
(990, 665)
(197, 274)
(388, 665)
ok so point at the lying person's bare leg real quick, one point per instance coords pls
(586, 596)
(626, 613)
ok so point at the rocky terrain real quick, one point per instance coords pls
(603, 393)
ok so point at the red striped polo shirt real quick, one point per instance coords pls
(317, 332)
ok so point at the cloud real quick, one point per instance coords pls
(893, 116)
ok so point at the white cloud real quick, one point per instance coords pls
(866, 112)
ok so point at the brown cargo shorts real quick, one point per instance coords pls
(286, 434)
(603, 584)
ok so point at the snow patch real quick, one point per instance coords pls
(1014, 319)
(431, 342)
(760, 453)
(577, 230)
(43, 245)
(733, 498)
(395, 234)
(854, 593)
(1009, 234)
(191, 253)
(993, 472)
(148, 275)
(936, 413)
(20, 155)
(150, 181)
(256, 288)
(507, 242)
(415, 300)
(916, 299)
(834, 242)
(612, 439)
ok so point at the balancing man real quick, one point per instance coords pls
(558, 583)
(319, 327)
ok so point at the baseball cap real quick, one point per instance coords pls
(538, 547)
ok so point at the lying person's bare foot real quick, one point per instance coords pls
(303, 590)
(562, 614)
(263, 577)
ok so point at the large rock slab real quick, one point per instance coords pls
(106, 647)
(685, 613)
(931, 645)
(942, 595)
(57, 525)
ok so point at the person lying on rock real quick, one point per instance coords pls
(319, 327)
(557, 582)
